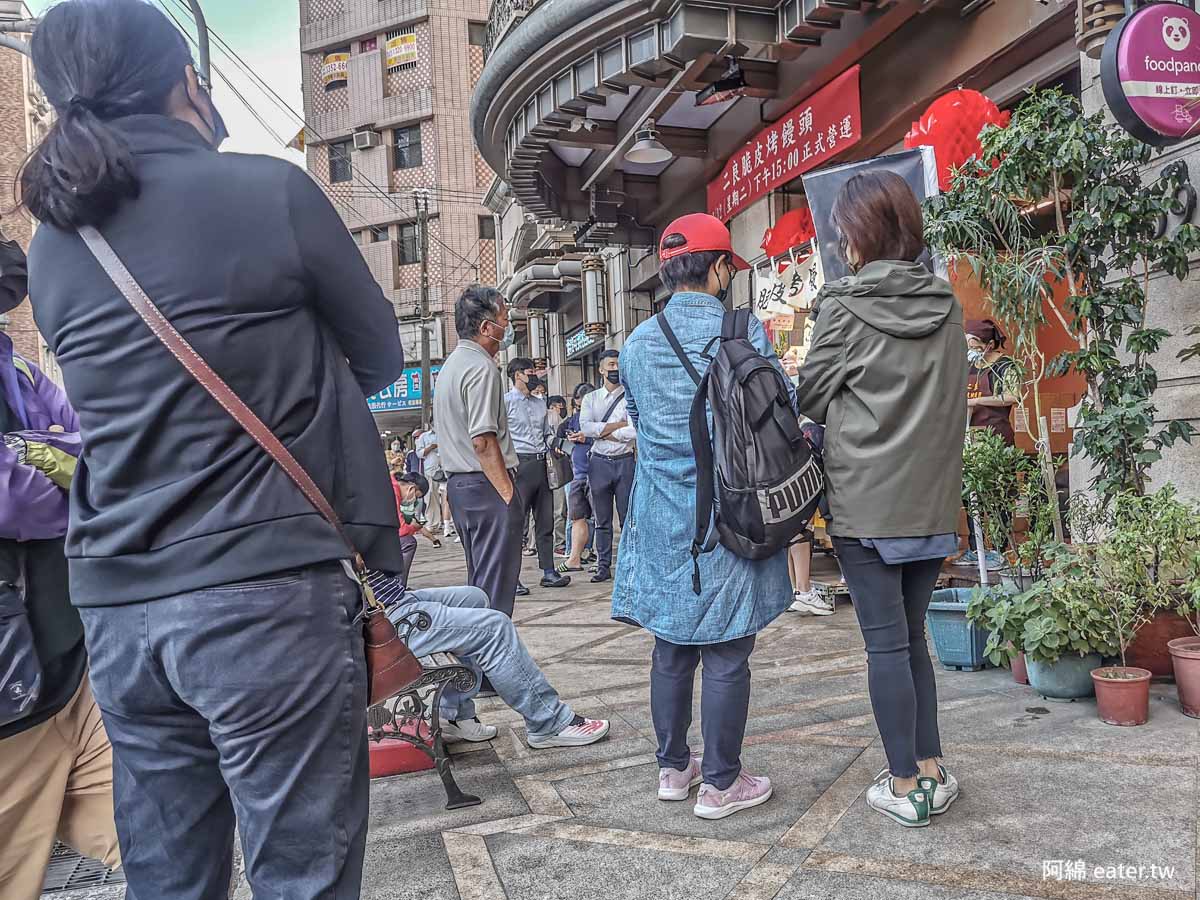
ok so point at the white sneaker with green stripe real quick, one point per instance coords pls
(941, 793)
(910, 810)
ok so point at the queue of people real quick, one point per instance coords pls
(203, 604)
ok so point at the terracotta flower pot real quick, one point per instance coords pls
(1185, 654)
(1122, 694)
(1149, 648)
(1019, 672)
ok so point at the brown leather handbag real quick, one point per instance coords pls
(391, 666)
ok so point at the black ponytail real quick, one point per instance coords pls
(96, 61)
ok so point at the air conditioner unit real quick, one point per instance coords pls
(366, 139)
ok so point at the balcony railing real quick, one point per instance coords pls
(504, 14)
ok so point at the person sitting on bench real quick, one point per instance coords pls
(486, 640)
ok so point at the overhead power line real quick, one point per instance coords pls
(279, 101)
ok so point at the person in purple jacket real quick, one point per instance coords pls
(55, 758)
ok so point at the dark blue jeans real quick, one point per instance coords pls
(248, 701)
(891, 602)
(724, 704)
(611, 480)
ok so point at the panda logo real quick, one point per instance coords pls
(1177, 33)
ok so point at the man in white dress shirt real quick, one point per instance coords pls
(610, 471)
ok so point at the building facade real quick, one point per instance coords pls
(387, 87)
(571, 86)
(25, 118)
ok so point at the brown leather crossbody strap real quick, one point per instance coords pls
(213, 383)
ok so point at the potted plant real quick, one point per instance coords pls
(1000, 479)
(1185, 651)
(1123, 692)
(1001, 613)
(1068, 633)
(1154, 548)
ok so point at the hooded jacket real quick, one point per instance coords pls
(886, 374)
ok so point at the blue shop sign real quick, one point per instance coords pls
(579, 343)
(404, 394)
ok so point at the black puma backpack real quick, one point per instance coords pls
(756, 468)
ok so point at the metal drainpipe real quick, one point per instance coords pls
(594, 312)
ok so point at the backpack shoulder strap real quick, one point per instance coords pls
(735, 326)
(620, 395)
(705, 537)
(677, 347)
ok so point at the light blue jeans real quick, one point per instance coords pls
(487, 641)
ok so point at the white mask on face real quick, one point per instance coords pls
(976, 357)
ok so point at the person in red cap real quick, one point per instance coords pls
(739, 597)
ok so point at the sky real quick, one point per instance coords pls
(266, 34)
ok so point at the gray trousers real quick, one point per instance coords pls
(891, 602)
(724, 704)
(490, 531)
(249, 701)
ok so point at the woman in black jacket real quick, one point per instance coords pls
(220, 624)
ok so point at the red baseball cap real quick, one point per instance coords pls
(704, 233)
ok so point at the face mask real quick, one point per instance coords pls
(614, 377)
(14, 281)
(214, 120)
(534, 383)
(723, 294)
(510, 335)
(976, 357)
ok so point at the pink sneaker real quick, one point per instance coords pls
(676, 785)
(748, 791)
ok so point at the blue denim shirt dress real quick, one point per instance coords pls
(653, 587)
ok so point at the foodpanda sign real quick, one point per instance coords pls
(1150, 72)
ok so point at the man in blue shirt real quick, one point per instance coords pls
(527, 423)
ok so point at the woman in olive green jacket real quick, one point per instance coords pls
(886, 374)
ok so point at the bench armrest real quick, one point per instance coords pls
(410, 623)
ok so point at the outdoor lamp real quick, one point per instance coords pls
(648, 150)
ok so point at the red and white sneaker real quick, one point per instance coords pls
(579, 733)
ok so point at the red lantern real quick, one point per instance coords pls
(794, 229)
(951, 126)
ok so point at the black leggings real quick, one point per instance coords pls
(891, 602)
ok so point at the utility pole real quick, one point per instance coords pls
(422, 201)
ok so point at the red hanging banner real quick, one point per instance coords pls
(817, 130)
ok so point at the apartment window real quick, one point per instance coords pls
(410, 248)
(477, 33)
(407, 148)
(379, 234)
(340, 169)
(401, 49)
(487, 228)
